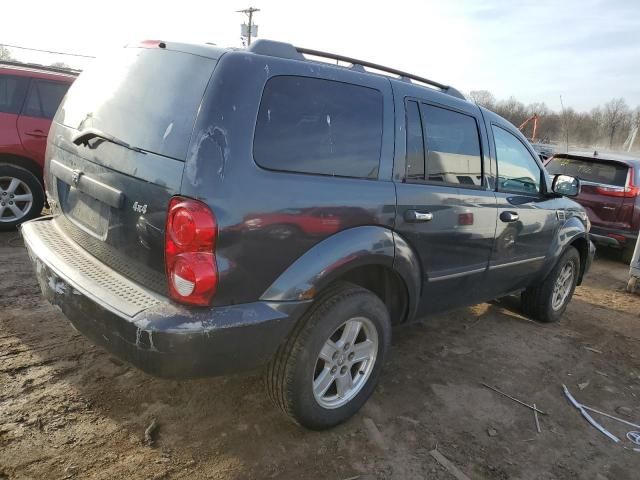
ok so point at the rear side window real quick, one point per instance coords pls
(609, 173)
(415, 143)
(44, 98)
(12, 93)
(310, 125)
(451, 142)
(453, 147)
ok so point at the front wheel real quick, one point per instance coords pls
(548, 300)
(329, 366)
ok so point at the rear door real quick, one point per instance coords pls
(13, 90)
(111, 197)
(444, 209)
(41, 104)
(602, 191)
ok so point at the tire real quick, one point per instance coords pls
(539, 301)
(17, 182)
(297, 365)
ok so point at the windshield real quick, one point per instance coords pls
(608, 173)
(145, 97)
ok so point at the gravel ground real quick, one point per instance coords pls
(70, 410)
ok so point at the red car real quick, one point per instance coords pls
(29, 98)
(610, 193)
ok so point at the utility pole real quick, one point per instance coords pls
(566, 123)
(247, 29)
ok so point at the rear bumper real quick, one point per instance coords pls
(146, 329)
(612, 237)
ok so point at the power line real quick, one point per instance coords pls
(46, 51)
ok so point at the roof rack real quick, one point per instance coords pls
(286, 50)
(36, 66)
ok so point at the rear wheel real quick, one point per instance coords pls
(21, 196)
(330, 365)
(548, 300)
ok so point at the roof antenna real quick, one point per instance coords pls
(595, 153)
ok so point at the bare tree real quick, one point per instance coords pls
(484, 98)
(59, 65)
(615, 114)
(5, 54)
(609, 124)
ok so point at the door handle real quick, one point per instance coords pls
(414, 216)
(36, 133)
(509, 217)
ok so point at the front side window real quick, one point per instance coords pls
(44, 98)
(12, 92)
(517, 169)
(311, 125)
(453, 147)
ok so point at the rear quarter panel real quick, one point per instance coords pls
(249, 201)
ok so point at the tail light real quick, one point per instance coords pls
(633, 190)
(189, 251)
(630, 190)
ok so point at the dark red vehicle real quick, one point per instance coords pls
(610, 194)
(29, 98)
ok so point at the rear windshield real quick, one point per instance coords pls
(147, 97)
(590, 170)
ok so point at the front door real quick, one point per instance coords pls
(445, 211)
(527, 221)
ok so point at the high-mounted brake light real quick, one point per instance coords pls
(190, 241)
(152, 44)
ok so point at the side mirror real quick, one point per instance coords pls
(566, 185)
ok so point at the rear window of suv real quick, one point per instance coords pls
(311, 125)
(609, 173)
(147, 97)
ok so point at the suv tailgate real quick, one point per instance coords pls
(603, 186)
(110, 193)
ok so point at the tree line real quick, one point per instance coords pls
(5, 54)
(606, 126)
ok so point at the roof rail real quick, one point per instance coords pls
(403, 75)
(36, 66)
(286, 50)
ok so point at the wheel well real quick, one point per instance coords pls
(385, 284)
(582, 245)
(23, 162)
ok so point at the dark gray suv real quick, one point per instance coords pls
(217, 210)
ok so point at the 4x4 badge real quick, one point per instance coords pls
(140, 208)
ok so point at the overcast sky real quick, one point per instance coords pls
(588, 51)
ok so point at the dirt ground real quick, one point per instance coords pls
(70, 410)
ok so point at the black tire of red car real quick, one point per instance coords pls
(542, 302)
(27, 180)
(295, 370)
